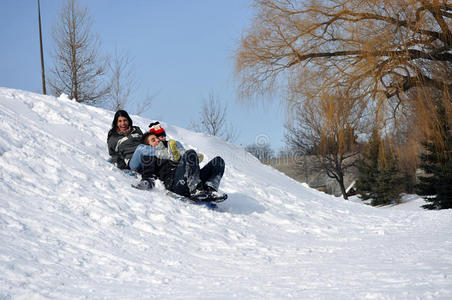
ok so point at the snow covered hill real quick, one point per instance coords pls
(72, 227)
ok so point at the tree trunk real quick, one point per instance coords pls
(340, 180)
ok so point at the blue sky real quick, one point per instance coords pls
(181, 50)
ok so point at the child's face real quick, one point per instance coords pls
(152, 140)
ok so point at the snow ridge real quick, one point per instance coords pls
(72, 227)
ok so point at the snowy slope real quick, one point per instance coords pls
(72, 227)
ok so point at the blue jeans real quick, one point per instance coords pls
(138, 160)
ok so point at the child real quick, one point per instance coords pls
(182, 176)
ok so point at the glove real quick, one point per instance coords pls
(200, 157)
(173, 148)
(130, 173)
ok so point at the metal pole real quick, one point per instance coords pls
(42, 53)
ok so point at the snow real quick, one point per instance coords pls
(72, 227)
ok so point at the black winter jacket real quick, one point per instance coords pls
(121, 147)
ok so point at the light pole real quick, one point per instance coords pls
(42, 54)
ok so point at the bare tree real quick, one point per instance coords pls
(213, 116)
(123, 83)
(213, 120)
(379, 49)
(78, 68)
(263, 151)
(123, 86)
(327, 128)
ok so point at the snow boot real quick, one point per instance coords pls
(144, 184)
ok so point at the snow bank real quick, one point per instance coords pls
(72, 227)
